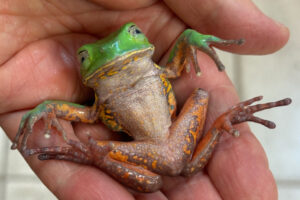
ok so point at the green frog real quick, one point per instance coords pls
(133, 95)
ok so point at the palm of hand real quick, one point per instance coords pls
(38, 62)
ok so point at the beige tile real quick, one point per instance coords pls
(28, 189)
(277, 76)
(286, 193)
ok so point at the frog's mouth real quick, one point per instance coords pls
(113, 67)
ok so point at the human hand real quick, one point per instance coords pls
(38, 62)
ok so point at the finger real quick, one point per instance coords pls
(69, 180)
(46, 69)
(233, 20)
(80, 17)
(196, 187)
(149, 196)
(97, 131)
(124, 5)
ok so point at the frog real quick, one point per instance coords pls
(133, 95)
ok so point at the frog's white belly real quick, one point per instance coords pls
(142, 110)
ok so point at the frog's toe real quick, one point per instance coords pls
(204, 42)
(20, 132)
(71, 158)
(60, 153)
(53, 122)
(244, 111)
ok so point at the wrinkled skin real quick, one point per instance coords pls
(37, 63)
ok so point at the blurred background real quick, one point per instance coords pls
(275, 76)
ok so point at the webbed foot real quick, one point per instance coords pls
(43, 111)
(243, 112)
(184, 52)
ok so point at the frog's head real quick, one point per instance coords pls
(94, 56)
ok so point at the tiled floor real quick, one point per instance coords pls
(279, 76)
(276, 76)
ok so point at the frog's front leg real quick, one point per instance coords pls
(50, 111)
(184, 52)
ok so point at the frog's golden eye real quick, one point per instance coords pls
(82, 56)
(134, 30)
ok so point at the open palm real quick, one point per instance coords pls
(38, 43)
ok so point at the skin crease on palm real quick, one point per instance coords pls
(38, 43)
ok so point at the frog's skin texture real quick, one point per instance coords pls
(133, 95)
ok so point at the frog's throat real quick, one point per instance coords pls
(120, 61)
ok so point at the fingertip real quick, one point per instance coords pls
(268, 36)
(263, 35)
(232, 20)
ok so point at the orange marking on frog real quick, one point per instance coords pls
(118, 156)
(187, 138)
(154, 164)
(185, 150)
(125, 62)
(125, 175)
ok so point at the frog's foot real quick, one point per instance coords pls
(76, 152)
(184, 52)
(205, 43)
(240, 113)
(243, 112)
(28, 121)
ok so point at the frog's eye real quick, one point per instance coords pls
(134, 30)
(82, 56)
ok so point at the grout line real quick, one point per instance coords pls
(289, 183)
(238, 75)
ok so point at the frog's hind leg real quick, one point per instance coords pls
(242, 112)
(133, 176)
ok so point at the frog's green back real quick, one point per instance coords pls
(127, 39)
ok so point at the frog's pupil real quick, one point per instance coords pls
(137, 31)
(82, 59)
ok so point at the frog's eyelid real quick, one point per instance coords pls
(130, 28)
(81, 51)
